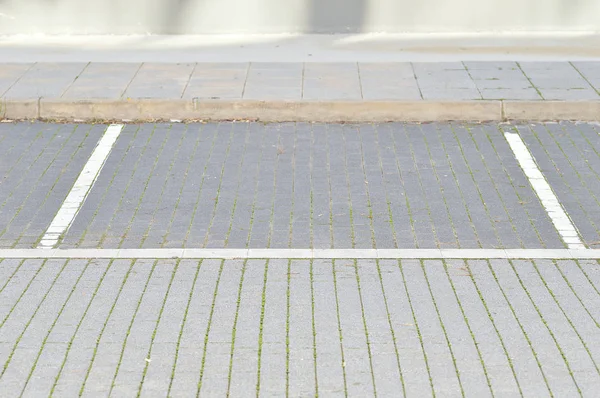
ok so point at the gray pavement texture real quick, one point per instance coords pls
(280, 327)
(299, 185)
(297, 328)
(469, 80)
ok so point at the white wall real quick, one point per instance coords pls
(282, 16)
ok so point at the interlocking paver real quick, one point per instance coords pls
(39, 165)
(509, 328)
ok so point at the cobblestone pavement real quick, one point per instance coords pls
(242, 326)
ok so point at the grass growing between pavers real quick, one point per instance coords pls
(390, 323)
(313, 326)
(366, 330)
(128, 332)
(17, 211)
(577, 295)
(136, 209)
(437, 177)
(234, 327)
(99, 338)
(126, 188)
(216, 199)
(79, 323)
(339, 324)
(180, 192)
(441, 322)
(260, 330)
(544, 321)
(62, 268)
(414, 317)
(206, 335)
(51, 328)
(73, 154)
(474, 180)
(162, 308)
(183, 322)
(519, 323)
(490, 318)
(162, 191)
(467, 323)
(564, 313)
(106, 191)
(522, 202)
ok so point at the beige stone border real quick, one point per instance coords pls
(279, 111)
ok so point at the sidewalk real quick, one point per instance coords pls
(302, 91)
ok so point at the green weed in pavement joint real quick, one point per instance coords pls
(560, 350)
(212, 311)
(390, 323)
(339, 322)
(512, 310)
(124, 345)
(51, 328)
(158, 319)
(260, 331)
(366, 329)
(440, 320)
(183, 322)
(560, 307)
(314, 328)
(418, 329)
(107, 190)
(135, 166)
(234, 328)
(143, 193)
(83, 316)
(89, 369)
(15, 345)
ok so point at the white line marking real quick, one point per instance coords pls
(76, 197)
(557, 213)
(304, 253)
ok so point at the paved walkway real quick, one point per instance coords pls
(299, 328)
(536, 81)
(299, 259)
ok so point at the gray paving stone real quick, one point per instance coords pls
(159, 81)
(10, 74)
(103, 80)
(48, 80)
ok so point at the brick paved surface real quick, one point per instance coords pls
(298, 328)
(311, 185)
(304, 327)
(309, 81)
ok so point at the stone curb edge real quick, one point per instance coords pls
(283, 111)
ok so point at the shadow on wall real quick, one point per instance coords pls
(336, 16)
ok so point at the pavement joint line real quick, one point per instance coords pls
(549, 200)
(302, 253)
(84, 183)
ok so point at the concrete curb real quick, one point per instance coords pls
(279, 110)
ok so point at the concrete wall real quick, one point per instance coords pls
(282, 16)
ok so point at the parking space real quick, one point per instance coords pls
(568, 154)
(38, 165)
(302, 185)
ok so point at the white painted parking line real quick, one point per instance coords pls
(76, 197)
(557, 213)
(304, 253)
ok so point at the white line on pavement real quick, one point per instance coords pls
(557, 214)
(70, 207)
(303, 253)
